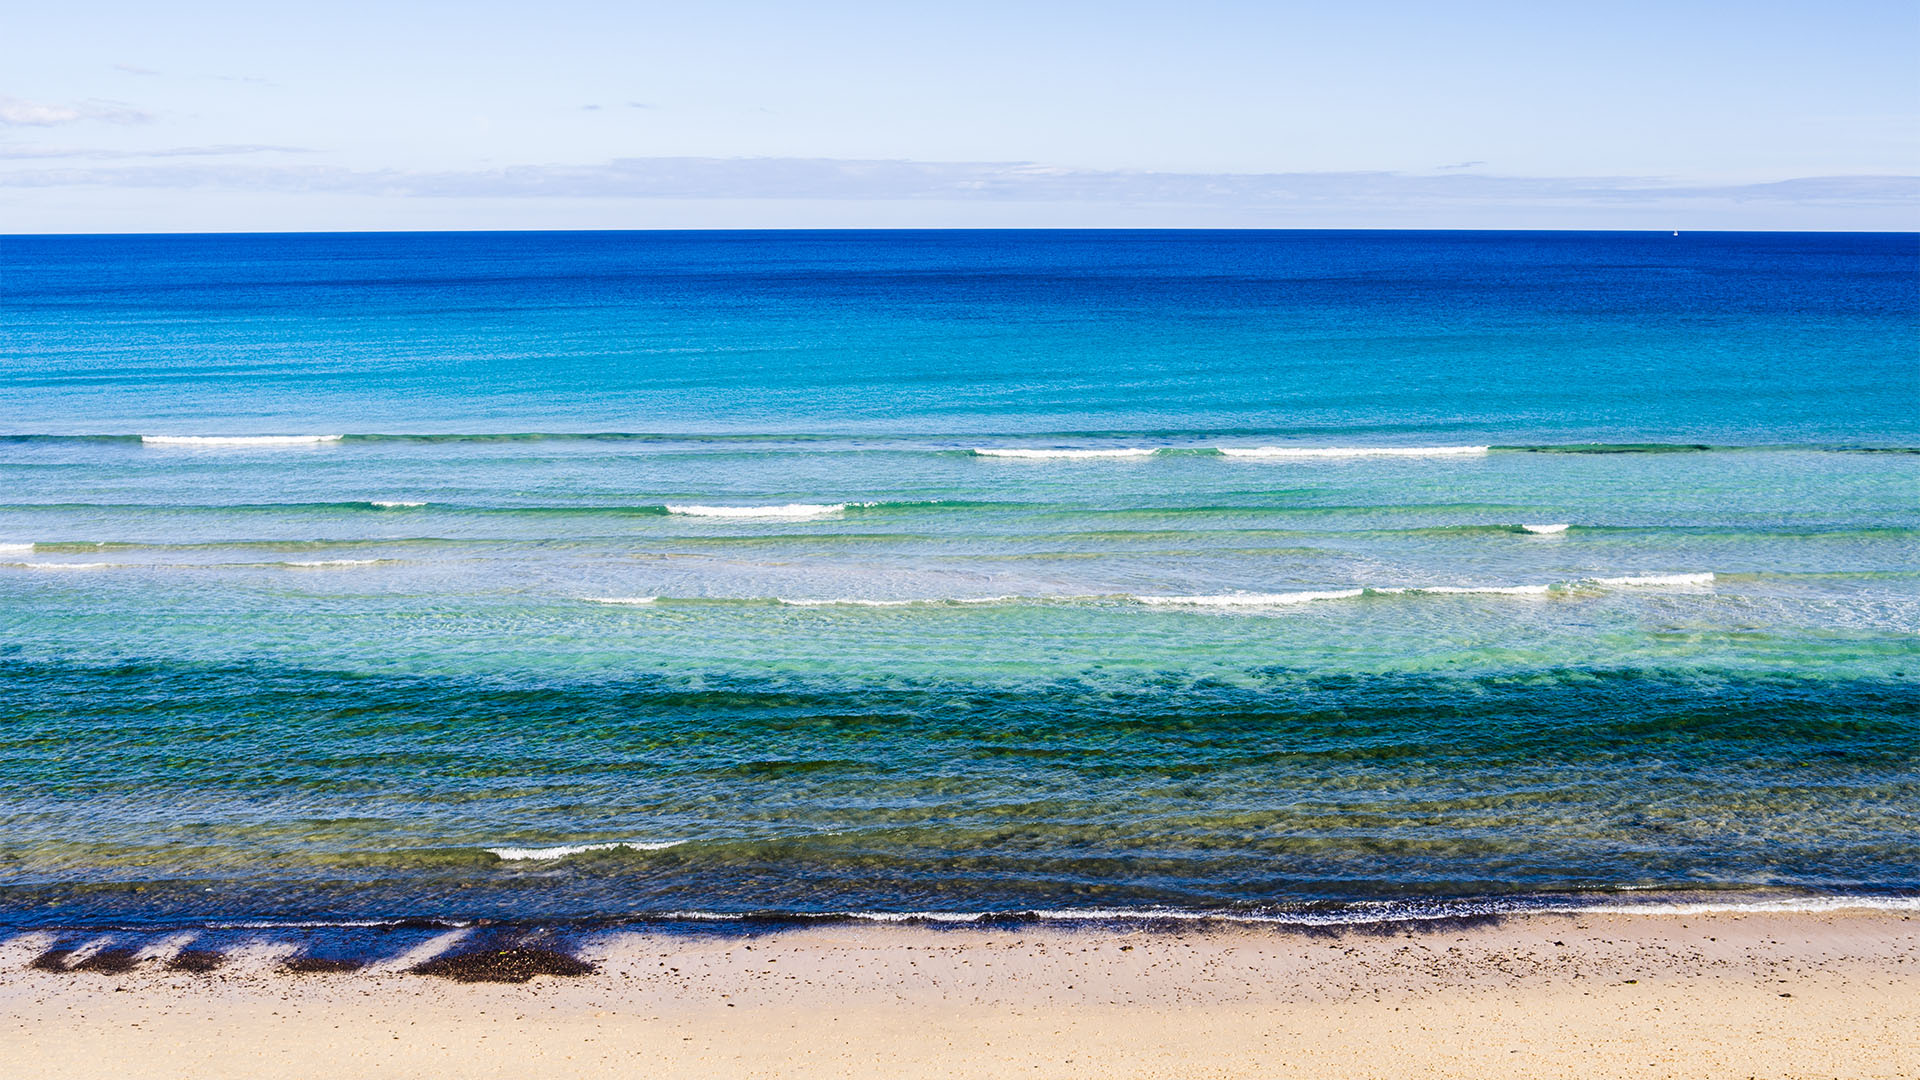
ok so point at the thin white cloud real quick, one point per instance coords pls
(18, 112)
(42, 153)
(891, 180)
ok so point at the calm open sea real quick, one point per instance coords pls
(1282, 575)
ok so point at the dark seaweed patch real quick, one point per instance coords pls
(320, 965)
(51, 960)
(195, 960)
(513, 964)
(108, 961)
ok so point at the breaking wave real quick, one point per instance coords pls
(236, 441)
(790, 511)
(561, 851)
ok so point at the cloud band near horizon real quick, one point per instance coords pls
(893, 180)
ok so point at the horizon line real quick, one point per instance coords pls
(1790, 230)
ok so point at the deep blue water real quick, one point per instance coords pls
(618, 574)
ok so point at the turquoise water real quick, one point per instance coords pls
(614, 575)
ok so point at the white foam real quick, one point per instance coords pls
(16, 549)
(66, 565)
(1545, 530)
(1491, 590)
(791, 510)
(918, 916)
(1801, 905)
(851, 601)
(395, 505)
(215, 441)
(859, 601)
(1379, 913)
(330, 564)
(1022, 452)
(1250, 599)
(1655, 579)
(1184, 915)
(1204, 600)
(1350, 451)
(543, 854)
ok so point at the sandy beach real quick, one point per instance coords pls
(1709, 995)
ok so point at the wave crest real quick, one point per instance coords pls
(561, 851)
(217, 441)
(1249, 599)
(790, 511)
(331, 564)
(1654, 579)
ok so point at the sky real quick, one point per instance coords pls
(123, 117)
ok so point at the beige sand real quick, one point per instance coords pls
(1774, 995)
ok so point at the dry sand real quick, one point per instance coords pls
(1723, 995)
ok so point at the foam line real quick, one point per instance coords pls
(330, 564)
(1655, 579)
(241, 441)
(1545, 530)
(1038, 453)
(791, 510)
(547, 854)
(849, 601)
(1250, 599)
(928, 601)
(1492, 590)
(1797, 906)
(1203, 600)
(1369, 914)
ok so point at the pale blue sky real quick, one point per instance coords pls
(118, 116)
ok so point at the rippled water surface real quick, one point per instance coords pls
(600, 575)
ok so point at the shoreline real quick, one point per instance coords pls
(1752, 992)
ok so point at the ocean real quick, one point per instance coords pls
(629, 578)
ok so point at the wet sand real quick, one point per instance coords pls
(1772, 995)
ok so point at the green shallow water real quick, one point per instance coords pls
(672, 568)
(370, 796)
